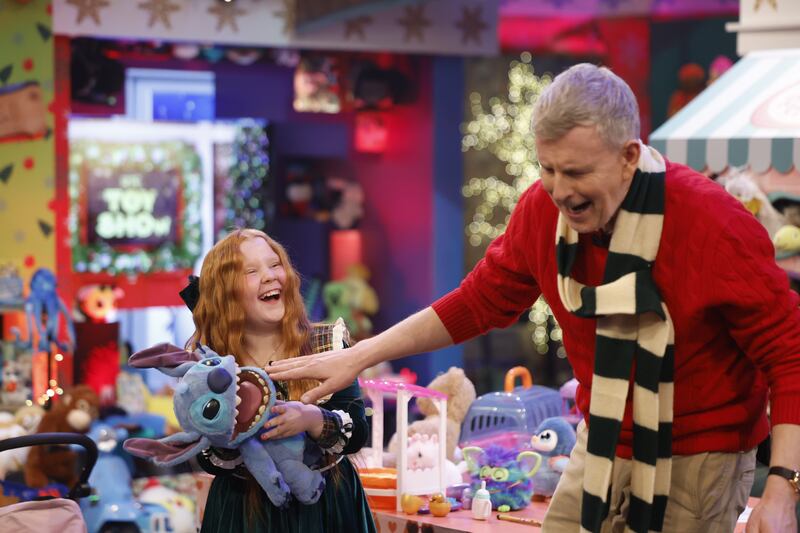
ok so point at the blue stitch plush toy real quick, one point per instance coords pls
(223, 405)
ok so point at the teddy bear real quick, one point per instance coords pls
(460, 395)
(73, 413)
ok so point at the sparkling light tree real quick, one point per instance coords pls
(505, 131)
(245, 208)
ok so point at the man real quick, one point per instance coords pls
(676, 320)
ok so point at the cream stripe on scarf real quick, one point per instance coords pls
(633, 325)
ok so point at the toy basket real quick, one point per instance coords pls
(380, 486)
(509, 418)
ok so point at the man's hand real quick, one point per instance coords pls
(775, 513)
(335, 369)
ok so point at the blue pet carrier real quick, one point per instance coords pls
(510, 418)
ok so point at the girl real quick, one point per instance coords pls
(247, 303)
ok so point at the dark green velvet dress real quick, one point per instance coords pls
(342, 508)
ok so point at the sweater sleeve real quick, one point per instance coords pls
(349, 401)
(760, 310)
(501, 286)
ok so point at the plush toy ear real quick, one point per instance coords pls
(473, 456)
(169, 359)
(168, 451)
(529, 463)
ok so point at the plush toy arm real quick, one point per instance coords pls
(33, 310)
(559, 462)
(69, 324)
(262, 467)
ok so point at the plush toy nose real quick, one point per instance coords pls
(219, 380)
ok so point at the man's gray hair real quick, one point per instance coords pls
(586, 95)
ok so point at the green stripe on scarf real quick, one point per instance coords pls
(633, 325)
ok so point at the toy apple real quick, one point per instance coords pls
(410, 503)
(439, 505)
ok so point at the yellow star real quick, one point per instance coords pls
(414, 22)
(226, 15)
(773, 3)
(356, 26)
(88, 8)
(289, 16)
(160, 10)
(471, 24)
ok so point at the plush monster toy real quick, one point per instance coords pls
(220, 404)
(554, 439)
(43, 301)
(507, 474)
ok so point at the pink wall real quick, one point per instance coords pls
(398, 240)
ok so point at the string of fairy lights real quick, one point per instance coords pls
(53, 387)
(504, 129)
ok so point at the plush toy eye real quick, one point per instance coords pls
(500, 474)
(211, 409)
(486, 472)
(211, 362)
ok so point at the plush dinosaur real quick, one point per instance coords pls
(223, 405)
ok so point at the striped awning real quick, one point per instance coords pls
(749, 116)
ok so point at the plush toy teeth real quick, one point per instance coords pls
(252, 398)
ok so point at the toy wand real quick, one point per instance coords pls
(519, 520)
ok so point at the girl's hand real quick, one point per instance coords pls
(291, 418)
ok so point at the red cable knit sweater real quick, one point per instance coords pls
(737, 324)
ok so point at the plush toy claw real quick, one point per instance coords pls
(223, 405)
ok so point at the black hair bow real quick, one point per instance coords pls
(191, 293)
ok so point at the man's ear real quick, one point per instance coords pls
(631, 151)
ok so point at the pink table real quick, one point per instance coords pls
(461, 521)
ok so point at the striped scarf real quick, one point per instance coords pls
(633, 324)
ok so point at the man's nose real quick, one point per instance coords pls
(560, 189)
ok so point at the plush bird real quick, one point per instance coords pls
(554, 440)
(787, 240)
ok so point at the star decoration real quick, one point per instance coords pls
(355, 26)
(226, 14)
(45, 227)
(160, 10)
(773, 3)
(88, 8)
(289, 15)
(471, 24)
(414, 22)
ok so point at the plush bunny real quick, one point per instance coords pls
(223, 405)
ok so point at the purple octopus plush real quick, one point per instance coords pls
(223, 405)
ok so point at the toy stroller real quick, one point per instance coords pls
(50, 514)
